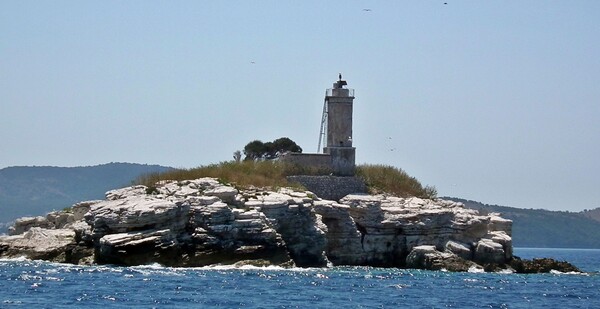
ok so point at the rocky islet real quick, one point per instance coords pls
(204, 222)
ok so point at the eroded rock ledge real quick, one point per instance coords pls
(203, 222)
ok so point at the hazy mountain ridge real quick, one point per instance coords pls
(593, 214)
(545, 228)
(36, 190)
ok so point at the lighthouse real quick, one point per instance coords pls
(337, 124)
(336, 159)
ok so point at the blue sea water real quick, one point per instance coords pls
(36, 284)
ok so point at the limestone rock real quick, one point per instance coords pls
(344, 240)
(202, 222)
(23, 225)
(135, 248)
(59, 219)
(80, 209)
(381, 230)
(427, 257)
(298, 226)
(126, 192)
(461, 250)
(489, 251)
(135, 213)
(53, 220)
(225, 193)
(56, 245)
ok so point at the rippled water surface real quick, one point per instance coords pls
(36, 284)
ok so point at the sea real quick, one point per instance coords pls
(37, 284)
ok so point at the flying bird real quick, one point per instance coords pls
(367, 10)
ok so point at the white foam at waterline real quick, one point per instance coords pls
(181, 271)
(155, 268)
(17, 259)
(476, 270)
(556, 272)
(253, 267)
(506, 271)
(149, 266)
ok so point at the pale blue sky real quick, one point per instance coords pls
(495, 101)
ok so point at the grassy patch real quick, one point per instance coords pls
(243, 174)
(393, 180)
(272, 174)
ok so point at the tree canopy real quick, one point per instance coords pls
(257, 150)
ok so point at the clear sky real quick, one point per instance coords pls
(494, 101)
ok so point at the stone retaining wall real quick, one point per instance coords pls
(330, 187)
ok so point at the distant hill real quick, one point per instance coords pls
(547, 229)
(28, 191)
(593, 214)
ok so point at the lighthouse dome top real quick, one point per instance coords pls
(338, 90)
